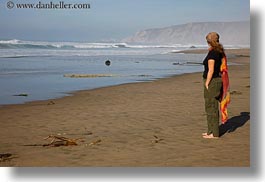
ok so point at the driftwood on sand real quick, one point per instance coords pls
(157, 139)
(96, 142)
(57, 141)
(6, 157)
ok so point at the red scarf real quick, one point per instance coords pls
(225, 99)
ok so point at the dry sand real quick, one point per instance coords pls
(127, 119)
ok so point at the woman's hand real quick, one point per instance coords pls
(207, 86)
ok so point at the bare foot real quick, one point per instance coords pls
(203, 134)
(209, 136)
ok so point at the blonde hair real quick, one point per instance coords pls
(213, 40)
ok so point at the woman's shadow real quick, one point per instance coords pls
(233, 123)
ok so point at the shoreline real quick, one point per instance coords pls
(73, 93)
(156, 123)
(244, 52)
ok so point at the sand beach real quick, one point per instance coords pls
(149, 124)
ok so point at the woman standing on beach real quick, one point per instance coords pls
(212, 84)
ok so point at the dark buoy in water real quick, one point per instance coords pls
(107, 63)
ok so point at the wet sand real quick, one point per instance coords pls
(155, 123)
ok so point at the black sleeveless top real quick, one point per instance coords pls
(217, 57)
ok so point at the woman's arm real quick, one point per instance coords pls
(210, 72)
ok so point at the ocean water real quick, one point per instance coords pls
(38, 68)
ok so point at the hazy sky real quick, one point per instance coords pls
(114, 19)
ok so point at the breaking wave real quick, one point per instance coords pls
(12, 44)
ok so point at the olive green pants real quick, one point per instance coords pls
(211, 97)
